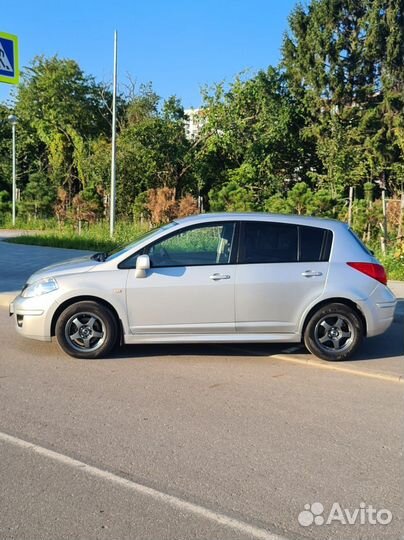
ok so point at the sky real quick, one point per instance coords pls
(178, 45)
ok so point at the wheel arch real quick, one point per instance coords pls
(86, 298)
(335, 300)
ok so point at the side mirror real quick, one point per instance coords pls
(142, 264)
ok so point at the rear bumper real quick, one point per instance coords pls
(379, 310)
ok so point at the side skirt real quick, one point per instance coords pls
(211, 338)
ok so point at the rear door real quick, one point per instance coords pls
(282, 268)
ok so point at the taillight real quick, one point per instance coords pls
(375, 271)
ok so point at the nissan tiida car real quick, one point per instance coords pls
(215, 278)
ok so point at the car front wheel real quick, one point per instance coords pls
(86, 330)
(334, 332)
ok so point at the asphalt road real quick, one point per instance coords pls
(183, 442)
(248, 436)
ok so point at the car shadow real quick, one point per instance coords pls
(387, 345)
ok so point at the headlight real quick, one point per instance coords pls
(42, 286)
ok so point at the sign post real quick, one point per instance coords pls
(10, 74)
(13, 121)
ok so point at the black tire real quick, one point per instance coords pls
(334, 332)
(87, 330)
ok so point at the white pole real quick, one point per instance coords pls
(14, 172)
(113, 151)
(351, 194)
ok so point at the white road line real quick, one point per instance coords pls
(181, 504)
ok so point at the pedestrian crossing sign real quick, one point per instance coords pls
(9, 69)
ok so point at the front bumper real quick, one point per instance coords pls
(33, 316)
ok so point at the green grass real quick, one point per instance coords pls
(394, 267)
(94, 238)
(70, 242)
(47, 224)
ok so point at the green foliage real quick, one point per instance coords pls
(4, 201)
(38, 197)
(252, 135)
(60, 111)
(140, 208)
(152, 153)
(366, 217)
(231, 198)
(345, 62)
(302, 200)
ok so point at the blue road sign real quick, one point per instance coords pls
(9, 69)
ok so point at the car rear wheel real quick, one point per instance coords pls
(334, 332)
(86, 330)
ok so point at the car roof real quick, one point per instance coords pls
(262, 216)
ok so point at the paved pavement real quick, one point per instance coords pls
(18, 262)
(204, 442)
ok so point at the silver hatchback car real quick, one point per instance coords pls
(215, 278)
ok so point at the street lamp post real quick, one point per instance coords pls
(13, 121)
(112, 202)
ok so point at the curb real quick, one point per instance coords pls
(332, 367)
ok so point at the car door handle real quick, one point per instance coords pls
(217, 277)
(311, 273)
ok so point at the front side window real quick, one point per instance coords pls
(267, 242)
(201, 245)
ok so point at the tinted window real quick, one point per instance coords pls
(265, 242)
(315, 244)
(201, 245)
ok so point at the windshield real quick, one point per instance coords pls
(120, 250)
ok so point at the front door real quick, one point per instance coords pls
(189, 288)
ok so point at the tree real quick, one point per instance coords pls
(231, 197)
(5, 205)
(253, 137)
(59, 110)
(5, 149)
(154, 153)
(302, 200)
(38, 197)
(344, 60)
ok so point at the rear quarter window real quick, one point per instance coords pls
(314, 244)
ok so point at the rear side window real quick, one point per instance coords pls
(266, 242)
(314, 243)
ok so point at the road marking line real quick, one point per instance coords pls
(332, 367)
(181, 504)
(317, 363)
